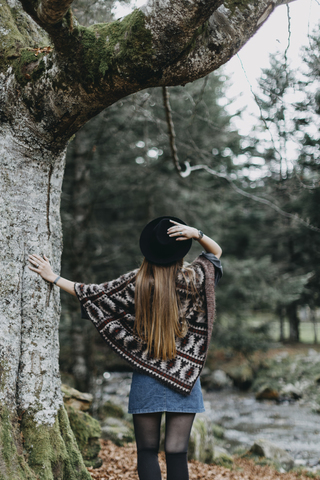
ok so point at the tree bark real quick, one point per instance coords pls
(30, 394)
(54, 76)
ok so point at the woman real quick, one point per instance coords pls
(159, 318)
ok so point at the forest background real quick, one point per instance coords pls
(258, 196)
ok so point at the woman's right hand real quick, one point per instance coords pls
(181, 231)
(42, 267)
(184, 232)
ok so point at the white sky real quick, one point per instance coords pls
(272, 37)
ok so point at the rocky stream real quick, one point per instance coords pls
(243, 420)
(276, 422)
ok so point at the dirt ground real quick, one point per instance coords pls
(119, 463)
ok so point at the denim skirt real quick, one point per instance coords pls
(148, 395)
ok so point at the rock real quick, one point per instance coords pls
(218, 432)
(316, 408)
(266, 449)
(312, 352)
(241, 375)
(74, 398)
(216, 380)
(290, 391)
(110, 409)
(267, 393)
(117, 430)
(222, 458)
(87, 431)
(281, 356)
(201, 444)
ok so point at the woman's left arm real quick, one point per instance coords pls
(43, 268)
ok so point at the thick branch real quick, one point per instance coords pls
(166, 43)
(173, 23)
(52, 11)
(226, 33)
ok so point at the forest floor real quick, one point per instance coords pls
(217, 358)
(119, 463)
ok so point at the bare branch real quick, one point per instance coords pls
(189, 169)
(53, 11)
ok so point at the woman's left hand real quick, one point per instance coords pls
(182, 232)
(42, 267)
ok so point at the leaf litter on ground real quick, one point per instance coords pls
(120, 463)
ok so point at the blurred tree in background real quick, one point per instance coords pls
(120, 175)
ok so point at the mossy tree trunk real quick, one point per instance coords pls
(54, 76)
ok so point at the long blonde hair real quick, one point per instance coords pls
(157, 308)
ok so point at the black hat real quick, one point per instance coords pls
(156, 245)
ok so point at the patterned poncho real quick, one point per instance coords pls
(110, 307)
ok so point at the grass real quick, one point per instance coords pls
(306, 328)
(306, 331)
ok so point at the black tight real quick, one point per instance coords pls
(147, 432)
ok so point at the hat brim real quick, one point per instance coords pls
(162, 255)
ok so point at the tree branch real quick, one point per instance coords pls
(52, 11)
(173, 23)
(189, 169)
(225, 34)
(165, 43)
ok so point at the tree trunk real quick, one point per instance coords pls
(314, 322)
(54, 76)
(294, 323)
(281, 319)
(36, 440)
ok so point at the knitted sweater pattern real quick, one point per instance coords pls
(110, 307)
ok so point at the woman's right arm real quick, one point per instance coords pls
(183, 232)
(209, 245)
(43, 268)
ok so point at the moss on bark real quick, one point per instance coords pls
(233, 4)
(53, 453)
(29, 66)
(13, 465)
(123, 47)
(18, 32)
(87, 431)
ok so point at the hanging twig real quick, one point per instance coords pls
(288, 42)
(172, 134)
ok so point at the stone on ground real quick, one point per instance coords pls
(266, 449)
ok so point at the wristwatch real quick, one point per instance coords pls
(200, 233)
